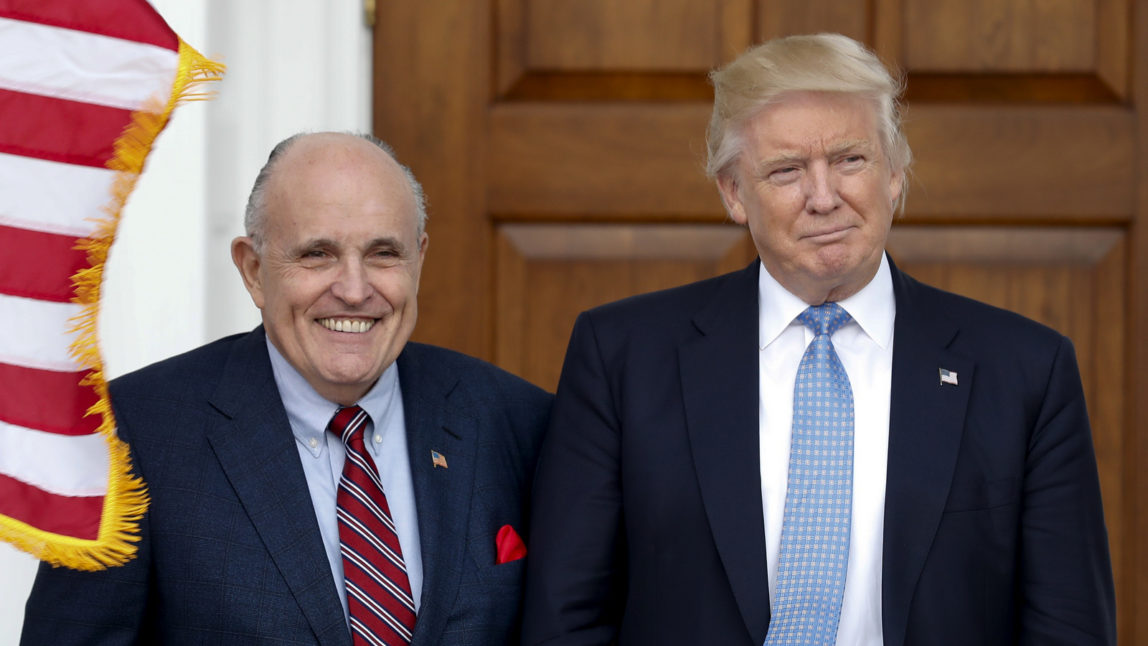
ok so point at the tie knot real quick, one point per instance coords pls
(826, 318)
(347, 421)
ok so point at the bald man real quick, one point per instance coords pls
(319, 480)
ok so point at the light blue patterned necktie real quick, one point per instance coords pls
(815, 528)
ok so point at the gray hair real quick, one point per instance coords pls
(809, 63)
(255, 216)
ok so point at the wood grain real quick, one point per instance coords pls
(1133, 596)
(429, 99)
(631, 35)
(783, 17)
(547, 274)
(1035, 163)
(995, 36)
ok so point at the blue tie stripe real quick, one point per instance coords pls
(814, 554)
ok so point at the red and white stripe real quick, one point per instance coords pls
(379, 602)
(71, 75)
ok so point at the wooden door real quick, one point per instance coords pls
(561, 143)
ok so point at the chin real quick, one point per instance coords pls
(837, 260)
(350, 378)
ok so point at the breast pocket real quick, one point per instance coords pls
(503, 574)
(488, 604)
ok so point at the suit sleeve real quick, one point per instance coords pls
(73, 608)
(1066, 576)
(574, 582)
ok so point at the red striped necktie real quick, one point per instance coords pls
(379, 603)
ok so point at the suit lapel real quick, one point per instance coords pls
(256, 450)
(926, 419)
(442, 495)
(719, 376)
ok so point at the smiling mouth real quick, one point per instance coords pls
(354, 326)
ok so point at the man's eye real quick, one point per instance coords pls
(386, 257)
(784, 174)
(314, 257)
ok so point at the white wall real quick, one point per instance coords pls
(169, 286)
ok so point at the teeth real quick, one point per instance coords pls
(355, 326)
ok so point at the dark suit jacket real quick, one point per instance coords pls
(647, 525)
(231, 551)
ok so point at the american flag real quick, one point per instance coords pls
(85, 87)
(948, 377)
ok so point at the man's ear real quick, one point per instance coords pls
(896, 185)
(424, 242)
(247, 261)
(728, 188)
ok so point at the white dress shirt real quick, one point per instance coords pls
(865, 346)
(323, 454)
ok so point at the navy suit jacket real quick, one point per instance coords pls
(647, 525)
(231, 551)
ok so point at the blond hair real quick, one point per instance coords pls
(809, 63)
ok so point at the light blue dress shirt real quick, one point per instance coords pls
(322, 455)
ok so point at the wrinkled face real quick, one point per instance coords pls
(816, 191)
(339, 269)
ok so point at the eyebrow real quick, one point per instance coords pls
(390, 242)
(791, 157)
(846, 146)
(385, 241)
(779, 160)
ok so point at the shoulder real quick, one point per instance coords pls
(172, 403)
(1009, 351)
(513, 411)
(673, 312)
(420, 363)
(979, 323)
(675, 302)
(191, 374)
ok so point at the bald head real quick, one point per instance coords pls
(311, 144)
(333, 259)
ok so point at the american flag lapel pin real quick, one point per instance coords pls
(948, 377)
(438, 459)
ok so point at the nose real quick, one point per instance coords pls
(351, 285)
(820, 189)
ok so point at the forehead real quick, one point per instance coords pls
(327, 185)
(807, 122)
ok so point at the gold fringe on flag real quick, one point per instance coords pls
(126, 500)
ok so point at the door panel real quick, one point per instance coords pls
(547, 273)
(561, 146)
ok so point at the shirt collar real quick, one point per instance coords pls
(873, 307)
(308, 412)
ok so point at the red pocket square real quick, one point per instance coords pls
(509, 544)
